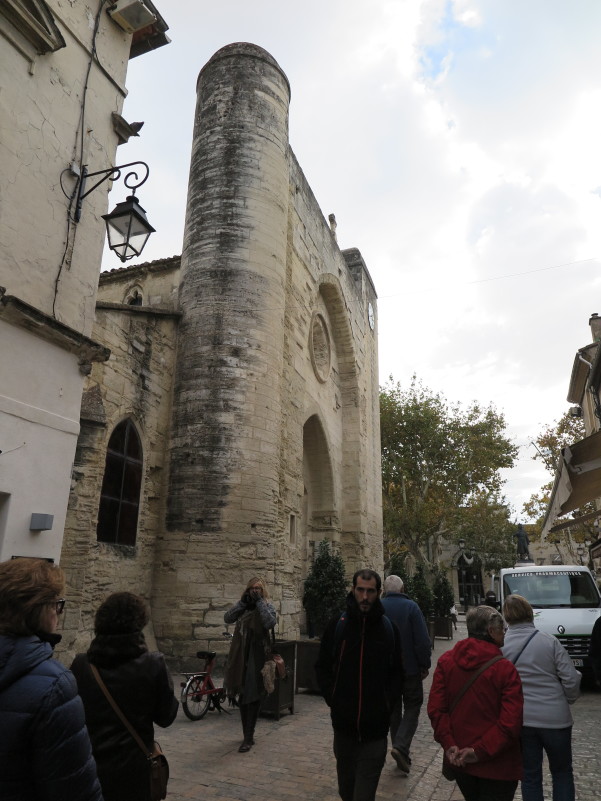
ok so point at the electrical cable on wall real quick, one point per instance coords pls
(77, 159)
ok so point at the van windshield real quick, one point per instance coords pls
(547, 590)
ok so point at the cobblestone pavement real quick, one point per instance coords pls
(293, 759)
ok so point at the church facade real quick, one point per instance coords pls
(236, 423)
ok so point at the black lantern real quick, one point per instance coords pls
(127, 227)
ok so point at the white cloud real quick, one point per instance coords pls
(456, 143)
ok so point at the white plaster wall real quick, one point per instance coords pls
(39, 424)
(40, 104)
(46, 259)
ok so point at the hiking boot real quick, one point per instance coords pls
(402, 760)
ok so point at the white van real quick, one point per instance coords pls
(565, 599)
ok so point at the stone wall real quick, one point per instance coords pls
(135, 383)
(260, 406)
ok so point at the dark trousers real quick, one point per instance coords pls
(557, 743)
(473, 788)
(248, 715)
(405, 715)
(359, 765)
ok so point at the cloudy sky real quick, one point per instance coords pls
(458, 144)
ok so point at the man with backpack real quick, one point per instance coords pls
(417, 648)
(359, 671)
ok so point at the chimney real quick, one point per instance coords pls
(595, 324)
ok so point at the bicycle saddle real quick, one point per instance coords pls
(206, 654)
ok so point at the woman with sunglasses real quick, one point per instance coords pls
(45, 751)
(254, 617)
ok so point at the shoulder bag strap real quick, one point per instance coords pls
(471, 680)
(117, 711)
(521, 651)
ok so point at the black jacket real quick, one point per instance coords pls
(595, 650)
(360, 676)
(142, 687)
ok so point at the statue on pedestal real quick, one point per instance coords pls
(523, 543)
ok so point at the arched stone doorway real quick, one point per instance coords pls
(319, 518)
(469, 579)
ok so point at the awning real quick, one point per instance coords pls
(577, 481)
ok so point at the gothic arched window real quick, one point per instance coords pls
(120, 494)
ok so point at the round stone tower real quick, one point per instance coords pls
(224, 469)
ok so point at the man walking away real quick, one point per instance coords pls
(416, 649)
(360, 674)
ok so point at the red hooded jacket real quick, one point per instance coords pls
(488, 718)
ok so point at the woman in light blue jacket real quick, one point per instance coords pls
(550, 683)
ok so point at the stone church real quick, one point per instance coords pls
(236, 422)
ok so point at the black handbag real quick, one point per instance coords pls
(158, 767)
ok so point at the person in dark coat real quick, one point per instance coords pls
(416, 648)
(255, 619)
(359, 671)
(45, 751)
(480, 731)
(595, 651)
(141, 686)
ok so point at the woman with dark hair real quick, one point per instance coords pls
(550, 683)
(475, 708)
(141, 686)
(254, 617)
(45, 752)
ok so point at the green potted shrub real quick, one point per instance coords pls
(324, 596)
(325, 589)
(443, 601)
(421, 593)
(396, 567)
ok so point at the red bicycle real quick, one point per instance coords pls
(199, 693)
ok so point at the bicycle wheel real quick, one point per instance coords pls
(194, 704)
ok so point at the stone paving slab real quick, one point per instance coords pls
(293, 758)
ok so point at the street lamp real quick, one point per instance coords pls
(127, 227)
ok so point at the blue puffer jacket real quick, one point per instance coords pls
(45, 751)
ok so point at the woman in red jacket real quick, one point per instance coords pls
(479, 727)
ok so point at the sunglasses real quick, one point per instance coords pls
(60, 605)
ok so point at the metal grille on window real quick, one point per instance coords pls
(120, 494)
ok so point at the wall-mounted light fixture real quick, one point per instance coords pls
(41, 521)
(131, 15)
(126, 226)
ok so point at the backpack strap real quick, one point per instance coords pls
(521, 651)
(118, 712)
(338, 632)
(471, 680)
